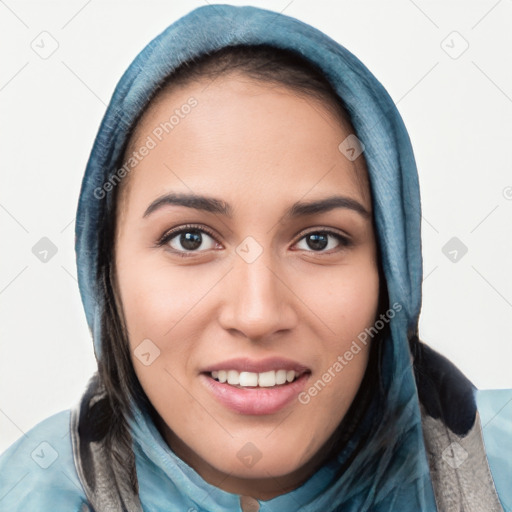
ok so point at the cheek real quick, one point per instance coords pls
(165, 304)
(358, 299)
(158, 304)
(156, 297)
(348, 308)
(345, 300)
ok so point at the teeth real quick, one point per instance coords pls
(233, 377)
(281, 376)
(251, 379)
(267, 379)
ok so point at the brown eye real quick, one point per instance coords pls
(188, 239)
(320, 240)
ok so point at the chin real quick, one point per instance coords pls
(258, 460)
(263, 469)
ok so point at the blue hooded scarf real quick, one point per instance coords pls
(388, 463)
(394, 183)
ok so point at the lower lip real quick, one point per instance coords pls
(256, 401)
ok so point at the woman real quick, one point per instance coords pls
(250, 218)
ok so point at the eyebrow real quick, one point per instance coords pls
(217, 206)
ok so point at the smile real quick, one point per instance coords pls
(267, 379)
(255, 386)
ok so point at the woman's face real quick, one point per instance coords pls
(256, 277)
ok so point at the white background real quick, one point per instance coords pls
(458, 112)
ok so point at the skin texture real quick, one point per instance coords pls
(260, 148)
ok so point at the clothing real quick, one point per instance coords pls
(25, 486)
(402, 463)
(175, 486)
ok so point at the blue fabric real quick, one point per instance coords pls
(385, 476)
(495, 409)
(26, 485)
(37, 472)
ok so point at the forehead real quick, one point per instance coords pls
(244, 131)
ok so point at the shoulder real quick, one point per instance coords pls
(37, 472)
(495, 409)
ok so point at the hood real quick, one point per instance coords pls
(371, 481)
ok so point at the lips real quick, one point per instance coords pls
(244, 364)
(256, 400)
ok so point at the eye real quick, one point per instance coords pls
(188, 238)
(319, 240)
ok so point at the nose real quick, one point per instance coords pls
(258, 301)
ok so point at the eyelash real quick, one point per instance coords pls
(169, 235)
